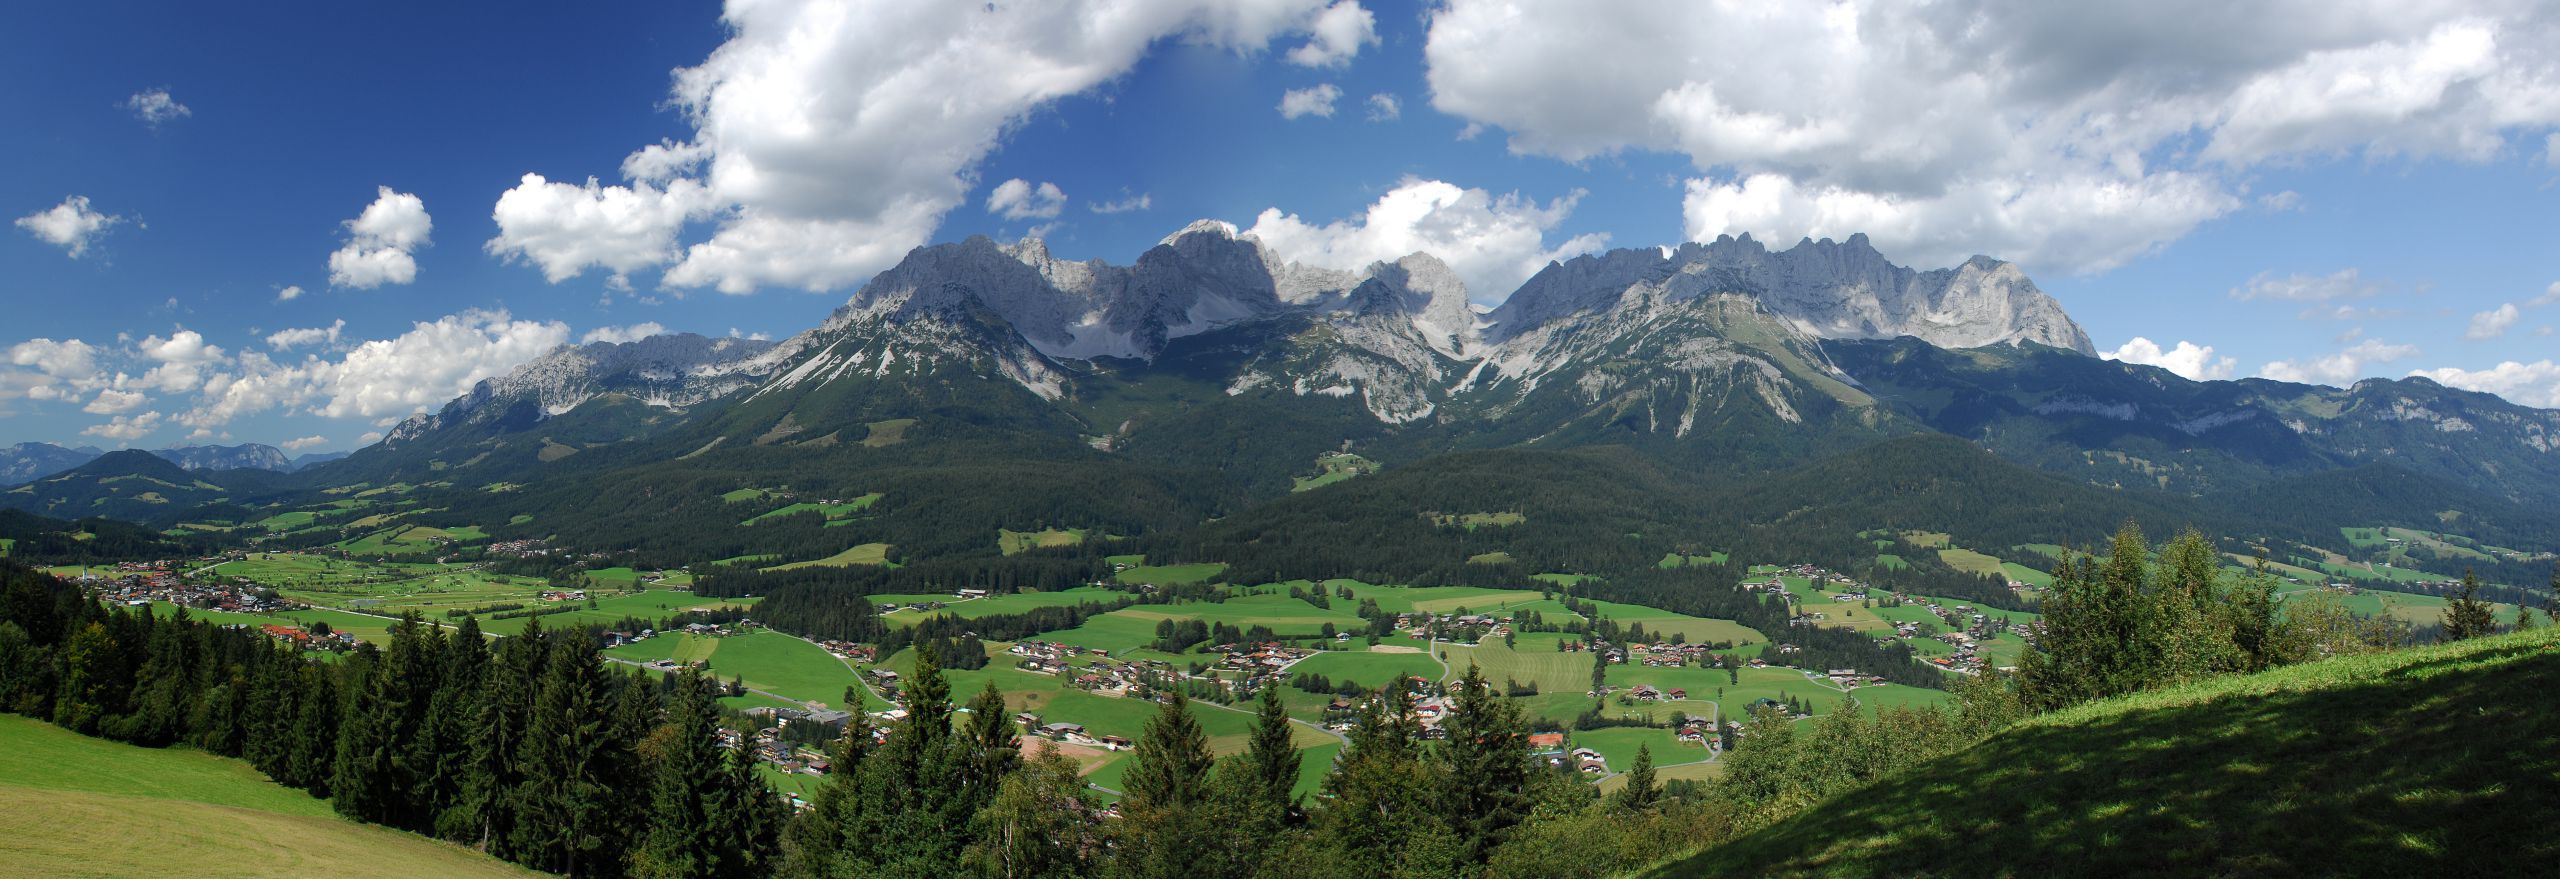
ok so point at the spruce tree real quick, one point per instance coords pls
(1272, 752)
(993, 750)
(569, 823)
(1486, 758)
(2468, 617)
(684, 828)
(1641, 791)
(815, 839)
(1164, 804)
(493, 795)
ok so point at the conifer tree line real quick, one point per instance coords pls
(531, 747)
(2143, 617)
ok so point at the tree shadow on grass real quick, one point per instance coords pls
(2446, 766)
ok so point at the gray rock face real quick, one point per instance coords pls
(670, 371)
(1831, 290)
(251, 456)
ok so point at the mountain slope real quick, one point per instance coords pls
(132, 485)
(71, 805)
(2426, 762)
(2115, 423)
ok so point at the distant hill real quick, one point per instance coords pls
(133, 485)
(71, 805)
(2433, 761)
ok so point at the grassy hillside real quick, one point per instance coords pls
(2427, 762)
(74, 806)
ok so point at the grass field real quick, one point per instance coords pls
(2423, 762)
(1166, 575)
(1012, 602)
(865, 554)
(832, 512)
(1367, 668)
(73, 806)
(1010, 542)
(1970, 562)
(768, 661)
(1696, 629)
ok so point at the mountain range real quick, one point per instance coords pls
(28, 462)
(1215, 371)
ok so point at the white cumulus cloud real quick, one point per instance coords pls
(70, 225)
(300, 336)
(2550, 295)
(566, 229)
(1314, 100)
(155, 106)
(1337, 35)
(1384, 107)
(2339, 369)
(2187, 359)
(1493, 242)
(288, 293)
(2493, 323)
(301, 443)
(1138, 202)
(1018, 199)
(381, 241)
(111, 401)
(2532, 384)
(125, 428)
(2073, 136)
(632, 333)
(830, 137)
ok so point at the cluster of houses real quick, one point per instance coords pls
(1069, 733)
(1257, 661)
(520, 548)
(139, 583)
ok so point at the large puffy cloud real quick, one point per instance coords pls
(381, 241)
(2344, 367)
(567, 229)
(180, 362)
(2187, 359)
(2532, 384)
(51, 370)
(70, 225)
(1336, 36)
(1493, 242)
(832, 136)
(2074, 136)
(435, 361)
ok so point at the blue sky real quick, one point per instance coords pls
(2316, 192)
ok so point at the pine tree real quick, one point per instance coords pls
(568, 823)
(815, 839)
(2468, 617)
(1486, 759)
(1273, 753)
(1641, 791)
(684, 825)
(453, 712)
(376, 777)
(492, 798)
(993, 751)
(1166, 791)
